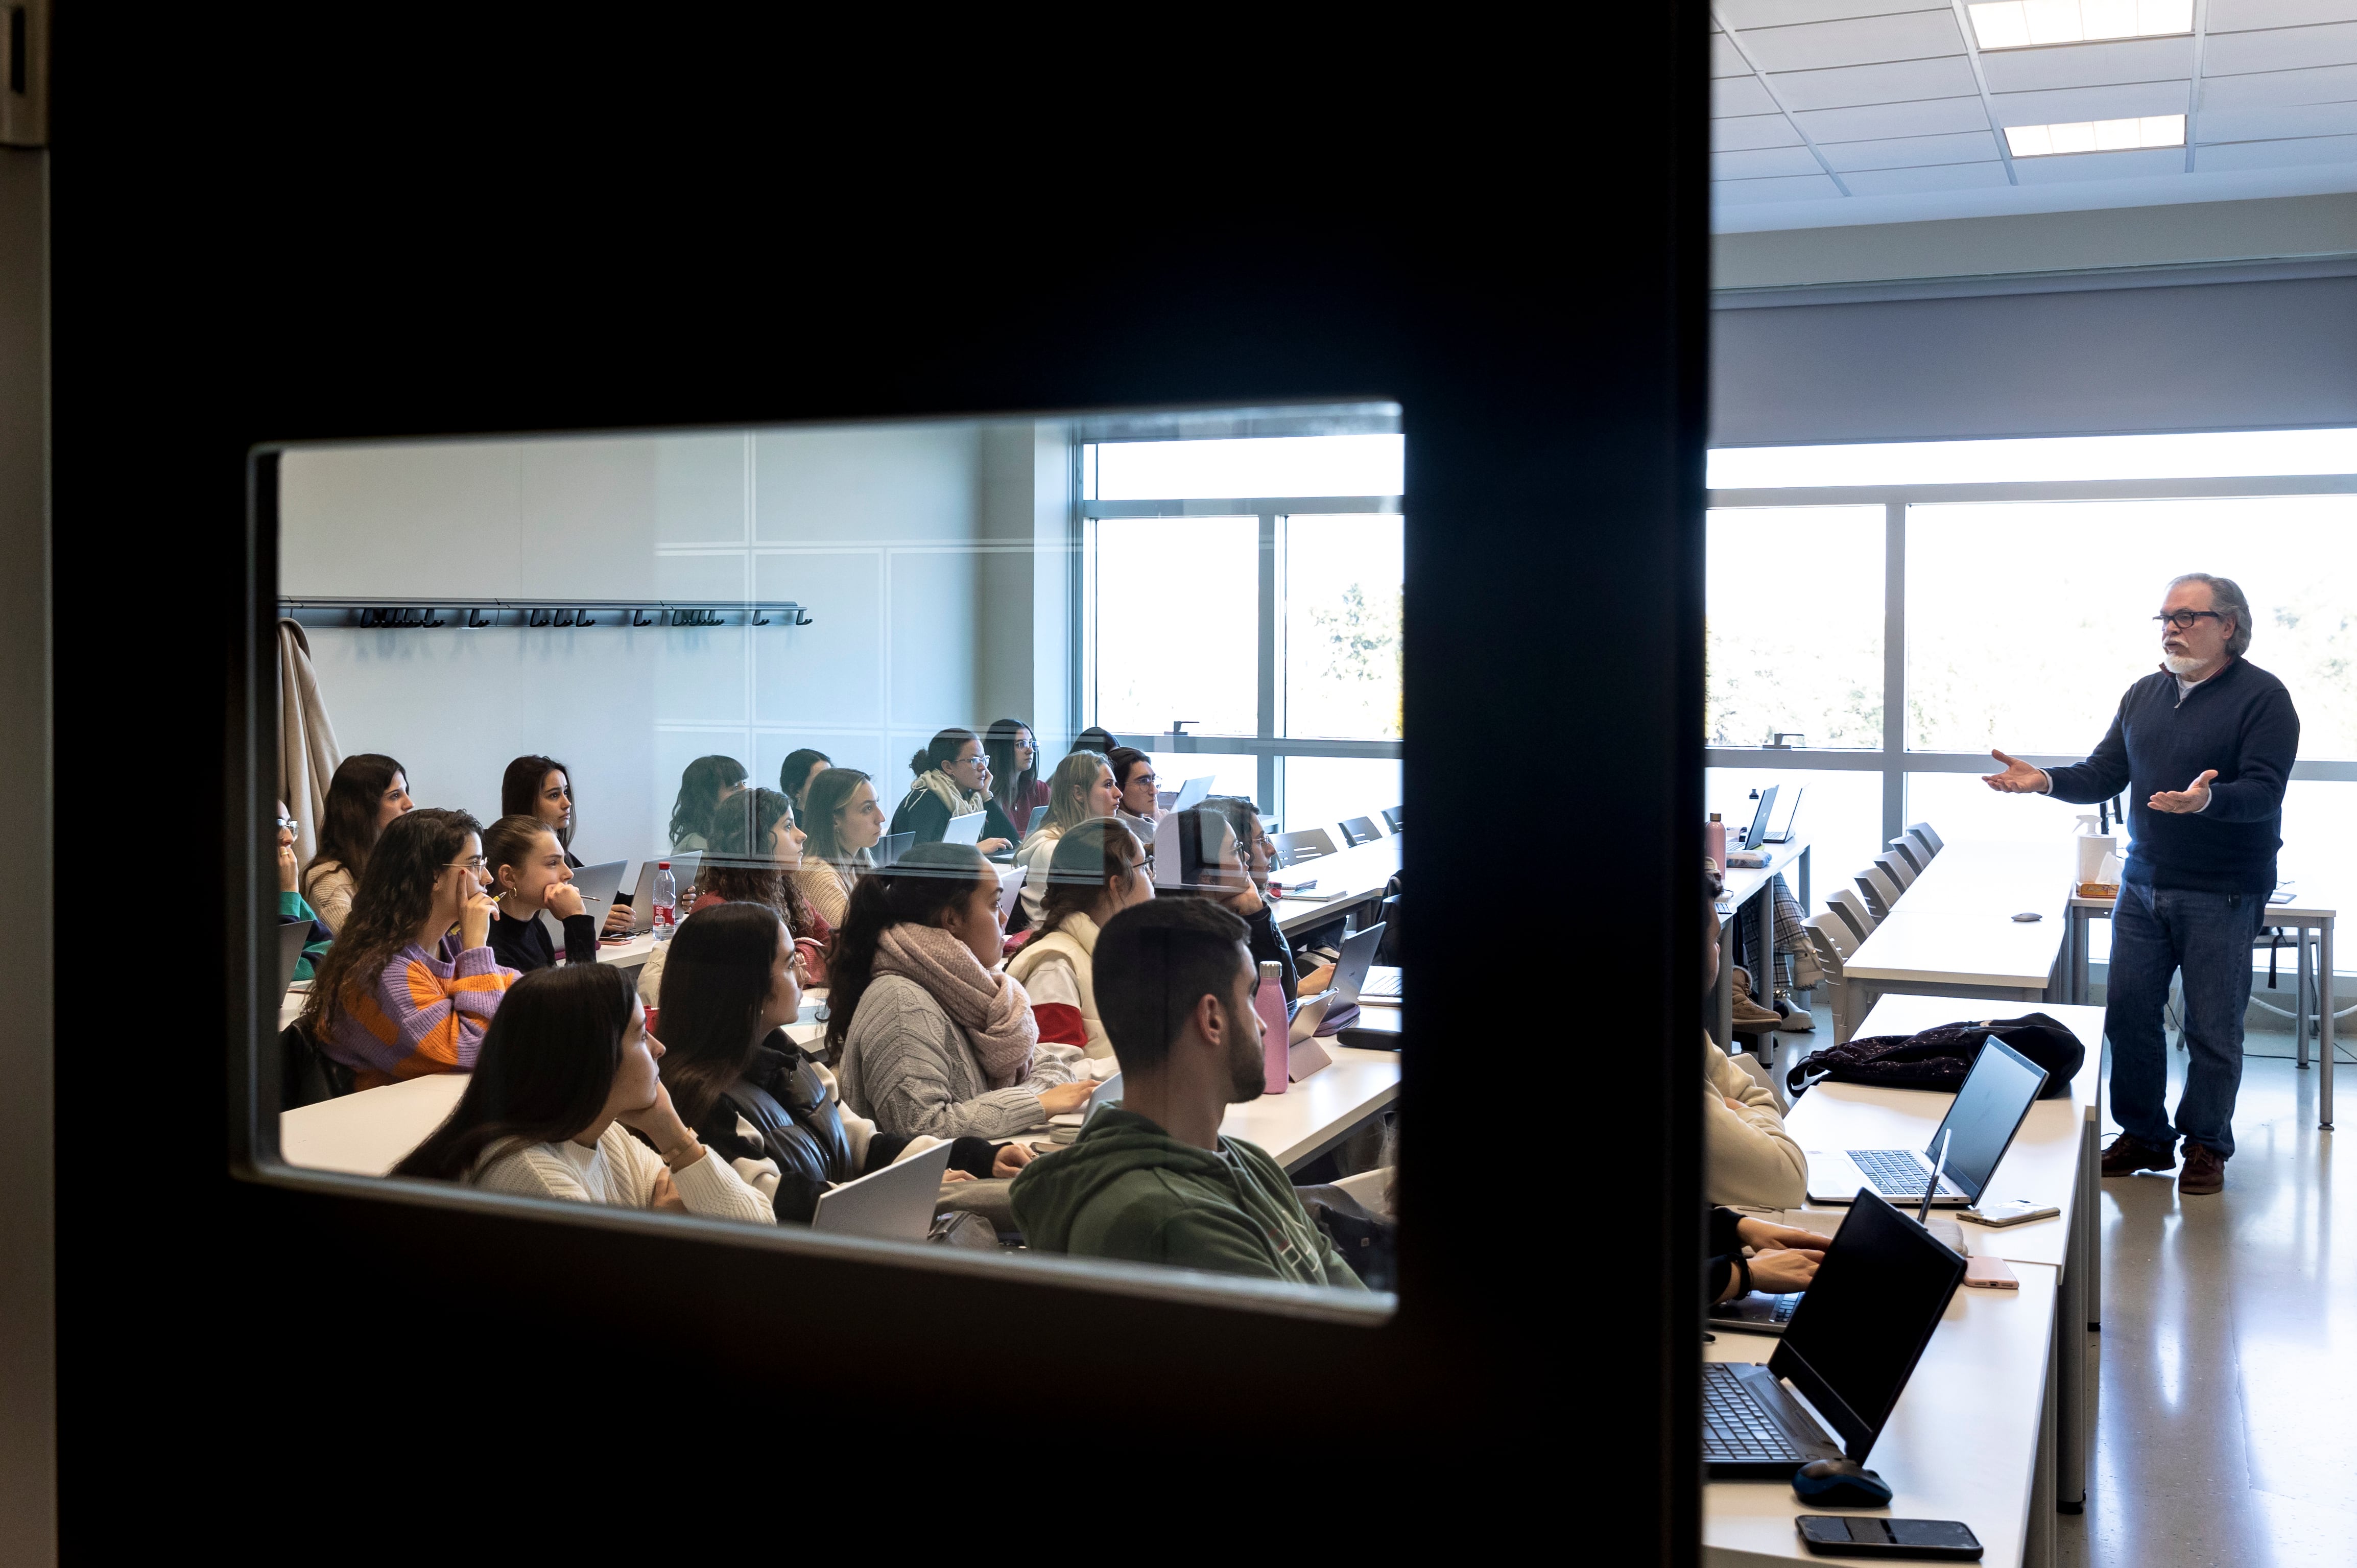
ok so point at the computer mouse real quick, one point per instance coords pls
(1840, 1484)
(2029, 915)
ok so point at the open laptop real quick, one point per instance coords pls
(895, 1204)
(1791, 815)
(890, 848)
(1191, 793)
(598, 885)
(1063, 1129)
(966, 828)
(1010, 888)
(1757, 834)
(292, 936)
(1352, 964)
(1849, 1349)
(643, 901)
(1988, 1110)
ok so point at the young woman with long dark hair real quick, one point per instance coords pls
(702, 785)
(368, 792)
(567, 1072)
(402, 994)
(1098, 870)
(926, 1032)
(794, 776)
(1015, 782)
(952, 780)
(1082, 787)
(542, 787)
(528, 873)
(749, 1093)
(843, 823)
(756, 853)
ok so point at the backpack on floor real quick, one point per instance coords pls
(1939, 1058)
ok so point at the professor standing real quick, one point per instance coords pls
(2201, 865)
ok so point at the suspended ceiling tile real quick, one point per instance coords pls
(1745, 14)
(1909, 152)
(2281, 48)
(1724, 58)
(1926, 117)
(2100, 166)
(2280, 89)
(2239, 16)
(1864, 40)
(1752, 131)
(2297, 153)
(1764, 162)
(2089, 65)
(1806, 187)
(2264, 125)
(1937, 177)
(1895, 83)
(1740, 95)
(2071, 104)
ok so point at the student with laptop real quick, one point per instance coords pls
(927, 1034)
(1141, 799)
(756, 854)
(795, 775)
(402, 994)
(368, 792)
(292, 909)
(843, 823)
(953, 781)
(529, 875)
(1783, 1258)
(1015, 782)
(750, 1093)
(566, 1073)
(702, 785)
(1081, 788)
(1747, 1157)
(1269, 942)
(1098, 870)
(1152, 1180)
(542, 787)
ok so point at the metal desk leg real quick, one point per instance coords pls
(1805, 882)
(2071, 1361)
(2324, 1019)
(2299, 1008)
(2038, 1548)
(2091, 1219)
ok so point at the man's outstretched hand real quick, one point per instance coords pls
(2019, 778)
(2192, 798)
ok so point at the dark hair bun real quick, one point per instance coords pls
(923, 762)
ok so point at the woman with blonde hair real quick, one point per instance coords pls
(1083, 787)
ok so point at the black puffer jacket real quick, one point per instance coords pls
(798, 1122)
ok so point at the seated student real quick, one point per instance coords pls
(1015, 782)
(1098, 871)
(925, 1031)
(1153, 1180)
(794, 776)
(567, 1072)
(291, 907)
(1141, 806)
(1787, 1257)
(952, 780)
(1747, 1157)
(528, 874)
(1256, 851)
(1218, 870)
(366, 794)
(1093, 738)
(542, 787)
(844, 823)
(756, 853)
(401, 994)
(1082, 787)
(702, 785)
(750, 1093)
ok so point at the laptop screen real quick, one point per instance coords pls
(1855, 1337)
(1757, 835)
(1998, 1094)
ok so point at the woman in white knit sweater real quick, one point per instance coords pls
(1098, 870)
(567, 1072)
(1081, 788)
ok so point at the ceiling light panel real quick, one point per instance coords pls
(2095, 136)
(2036, 24)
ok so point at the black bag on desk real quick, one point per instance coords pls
(1939, 1058)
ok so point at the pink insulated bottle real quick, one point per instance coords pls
(1269, 1001)
(1714, 841)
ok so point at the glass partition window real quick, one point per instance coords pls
(1342, 649)
(1177, 624)
(1794, 607)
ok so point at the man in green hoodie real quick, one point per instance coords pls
(1152, 1181)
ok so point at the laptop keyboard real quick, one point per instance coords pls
(1384, 984)
(1894, 1172)
(1733, 1424)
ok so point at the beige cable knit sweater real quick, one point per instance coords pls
(1748, 1160)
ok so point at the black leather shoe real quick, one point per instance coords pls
(2128, 1155)
(2205, 1170)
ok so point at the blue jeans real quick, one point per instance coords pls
(2155, 932)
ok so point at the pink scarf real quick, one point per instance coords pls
(987, 1004)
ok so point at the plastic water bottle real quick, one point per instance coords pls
(665, 917)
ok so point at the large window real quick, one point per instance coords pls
(1892, 612)
(1246, 593)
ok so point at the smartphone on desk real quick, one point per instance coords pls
(1870, 1535)
(2013, 1211)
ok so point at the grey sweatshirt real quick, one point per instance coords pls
(910, 1068)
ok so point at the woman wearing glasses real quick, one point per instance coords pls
(403, 994)
(292, 909)
(952, 780)
(1141, 805)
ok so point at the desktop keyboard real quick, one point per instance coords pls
(1735, 1427)
(1893, 1172)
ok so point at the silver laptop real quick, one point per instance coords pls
(1382, 986)
(292, 937)
(1988, 1110)
(1010, 888)
(966, 828)
(642, 902)
(895, 1204)
(1351, 964)
(598, 885)
(1193, 793)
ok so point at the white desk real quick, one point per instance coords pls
(1953, 931)
(1742, 892)
(1965, 1442)
(1356, 876)
(1312, 1116)
(367, 1133)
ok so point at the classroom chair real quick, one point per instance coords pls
(1931, 840)
(1392, 818)
(1832, 942)
(1309, 844)
(307, 1075)
(1901, 872)
(1904, 848)
(1879, 889)
(1924, 848)
(1852, 908)
(1359, 831)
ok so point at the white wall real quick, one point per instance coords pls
(911, 546)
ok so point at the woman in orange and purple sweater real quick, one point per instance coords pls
(402, 993)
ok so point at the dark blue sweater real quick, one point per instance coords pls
(2240, 722)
